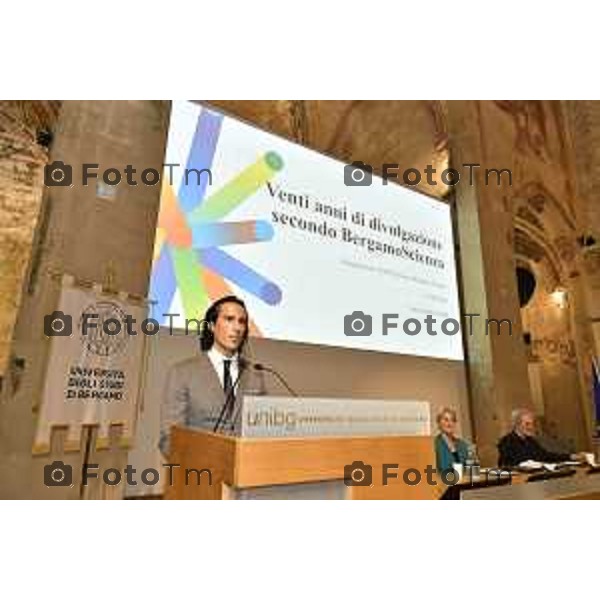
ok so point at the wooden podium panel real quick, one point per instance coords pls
(254, 462)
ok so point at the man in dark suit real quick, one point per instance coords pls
(520, 444)
(198, 388)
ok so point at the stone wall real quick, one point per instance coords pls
(22, 158)
(95, 237)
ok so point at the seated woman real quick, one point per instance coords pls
(449, 448)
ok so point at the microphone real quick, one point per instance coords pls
(265, 369)
(231, 397)
(279, 377)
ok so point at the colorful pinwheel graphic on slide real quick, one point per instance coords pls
(189, 253)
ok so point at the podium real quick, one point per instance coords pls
(259, 467)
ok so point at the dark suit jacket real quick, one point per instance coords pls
(194, 396)
(514, 449)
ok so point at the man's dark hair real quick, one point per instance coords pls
(207, 337)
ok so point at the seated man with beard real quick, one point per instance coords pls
(521, 445)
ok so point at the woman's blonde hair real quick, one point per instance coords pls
(446, 410)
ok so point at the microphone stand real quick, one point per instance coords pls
(260, 367)
(231, 397)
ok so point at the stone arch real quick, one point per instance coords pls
(545, 243)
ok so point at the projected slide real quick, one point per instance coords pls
(275, 223)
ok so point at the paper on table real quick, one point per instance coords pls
(530, 465)
(550, 466)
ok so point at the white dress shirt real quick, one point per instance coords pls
(216, 358)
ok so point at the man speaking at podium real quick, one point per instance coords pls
(204, 391)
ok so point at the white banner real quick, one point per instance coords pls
(93, 374)
(282, 416)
